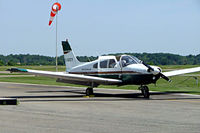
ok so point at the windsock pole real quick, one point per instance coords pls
(57, 39)
(56, 42)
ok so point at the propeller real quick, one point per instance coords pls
(164, 77)
(150, 69)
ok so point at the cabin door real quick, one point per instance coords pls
(109, 68)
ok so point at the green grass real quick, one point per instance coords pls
(33, 80)
(11, 74)
(178, 84)
(177, 66)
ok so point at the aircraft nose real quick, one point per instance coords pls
(157, 70)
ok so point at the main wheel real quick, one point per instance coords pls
(145, 91)
(89, 91)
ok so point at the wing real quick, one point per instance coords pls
(183, 71)
(69, 78)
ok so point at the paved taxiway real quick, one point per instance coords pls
(64, 109)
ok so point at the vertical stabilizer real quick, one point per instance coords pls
(70, 59)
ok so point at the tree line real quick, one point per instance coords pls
(150, 58)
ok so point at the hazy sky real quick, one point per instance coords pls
(96, 27)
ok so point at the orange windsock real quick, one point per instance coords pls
(55, 8)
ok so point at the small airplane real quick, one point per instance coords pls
(107, 70)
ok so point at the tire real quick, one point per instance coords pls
(89, 91)
(145, 92)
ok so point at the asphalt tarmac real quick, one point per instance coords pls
(53, 109)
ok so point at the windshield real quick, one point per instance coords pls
(127, 60)
(135, 58)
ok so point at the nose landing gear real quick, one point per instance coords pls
(145, 91)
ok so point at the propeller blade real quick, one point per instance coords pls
(149, 67)
(164, 77)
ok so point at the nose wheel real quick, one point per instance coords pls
(145, 91)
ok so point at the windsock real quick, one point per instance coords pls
(55, 8)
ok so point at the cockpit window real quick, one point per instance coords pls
(95, 65)
(112, 63)
(103, 64)
(127, 60)
(137, 60)
(109, 63)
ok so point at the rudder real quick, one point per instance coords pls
(69, 57)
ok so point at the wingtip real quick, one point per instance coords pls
(16, 70)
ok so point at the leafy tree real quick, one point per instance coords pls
(11, 63)
(151, 58)
(1, 63)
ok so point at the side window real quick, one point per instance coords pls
(95, 65)
(112, 63)
(103, 64)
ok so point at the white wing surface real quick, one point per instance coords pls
(67, 76)
(183, 71)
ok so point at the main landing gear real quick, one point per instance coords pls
(145, 91)
(89, 91)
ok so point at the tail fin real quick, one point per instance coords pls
(70, 59)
